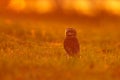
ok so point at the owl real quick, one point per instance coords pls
(71, 43)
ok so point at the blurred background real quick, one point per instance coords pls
(45, 15)
(90, 8)
(86, 7)
(69, 10)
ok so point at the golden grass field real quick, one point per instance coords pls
(33, 50)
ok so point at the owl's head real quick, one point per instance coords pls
(70, 32)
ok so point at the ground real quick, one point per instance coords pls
(34, 51)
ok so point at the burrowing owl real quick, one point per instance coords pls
(71, 44)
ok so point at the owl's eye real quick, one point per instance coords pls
(70, 32)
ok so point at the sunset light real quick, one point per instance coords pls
(86, 7)
(67, 5)
(59, 39)
(82, 6)
(44, 6)
(17, 5)
(113, 6)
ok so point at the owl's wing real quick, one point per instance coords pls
(71, 45)
(67, 45)
(76, 46)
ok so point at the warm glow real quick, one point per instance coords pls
(8, 21)
(87, 7)
(113, 6)
(17, 5)
(67, 5)
(44, 6)
(82, 6)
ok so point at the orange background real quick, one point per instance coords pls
(86, 7)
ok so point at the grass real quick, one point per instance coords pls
(33, 51)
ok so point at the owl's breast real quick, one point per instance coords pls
(71, 45)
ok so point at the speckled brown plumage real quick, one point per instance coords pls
(71, 43)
